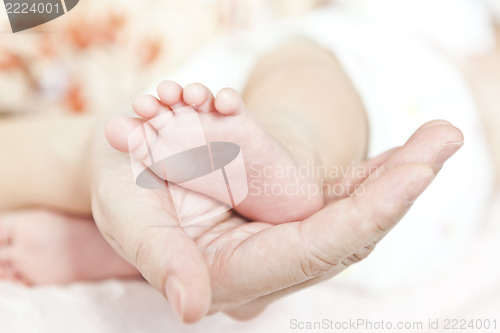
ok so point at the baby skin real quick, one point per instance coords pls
(40, 247)
(169, 122)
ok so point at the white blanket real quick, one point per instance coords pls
(470, 290)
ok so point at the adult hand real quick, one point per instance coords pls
(239, 267)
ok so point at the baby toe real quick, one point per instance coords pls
(228, 101)
(146, 106)
(200, 96)
(170, 94)
(118, 130)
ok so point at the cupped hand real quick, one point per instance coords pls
(233, 265)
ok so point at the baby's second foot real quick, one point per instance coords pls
(184, 119)
(41, 247)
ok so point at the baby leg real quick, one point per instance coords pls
(43, 247)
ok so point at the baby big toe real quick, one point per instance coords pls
(118, 130)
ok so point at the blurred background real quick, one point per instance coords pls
(59, 65)
(102, 54)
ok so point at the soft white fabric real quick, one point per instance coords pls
(457, 27)
(494, 6)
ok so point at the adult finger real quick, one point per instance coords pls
(151, 239)
(354, 176)
(433, 143)
(345, 231)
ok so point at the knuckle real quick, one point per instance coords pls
(315, 264)
(358, 256)
(316, 260)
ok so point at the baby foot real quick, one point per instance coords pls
(40, 247)
(187, 118)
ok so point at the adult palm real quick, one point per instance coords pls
(233, 265)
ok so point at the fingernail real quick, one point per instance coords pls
(418, 187)
(447, 151)
(175, 295)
